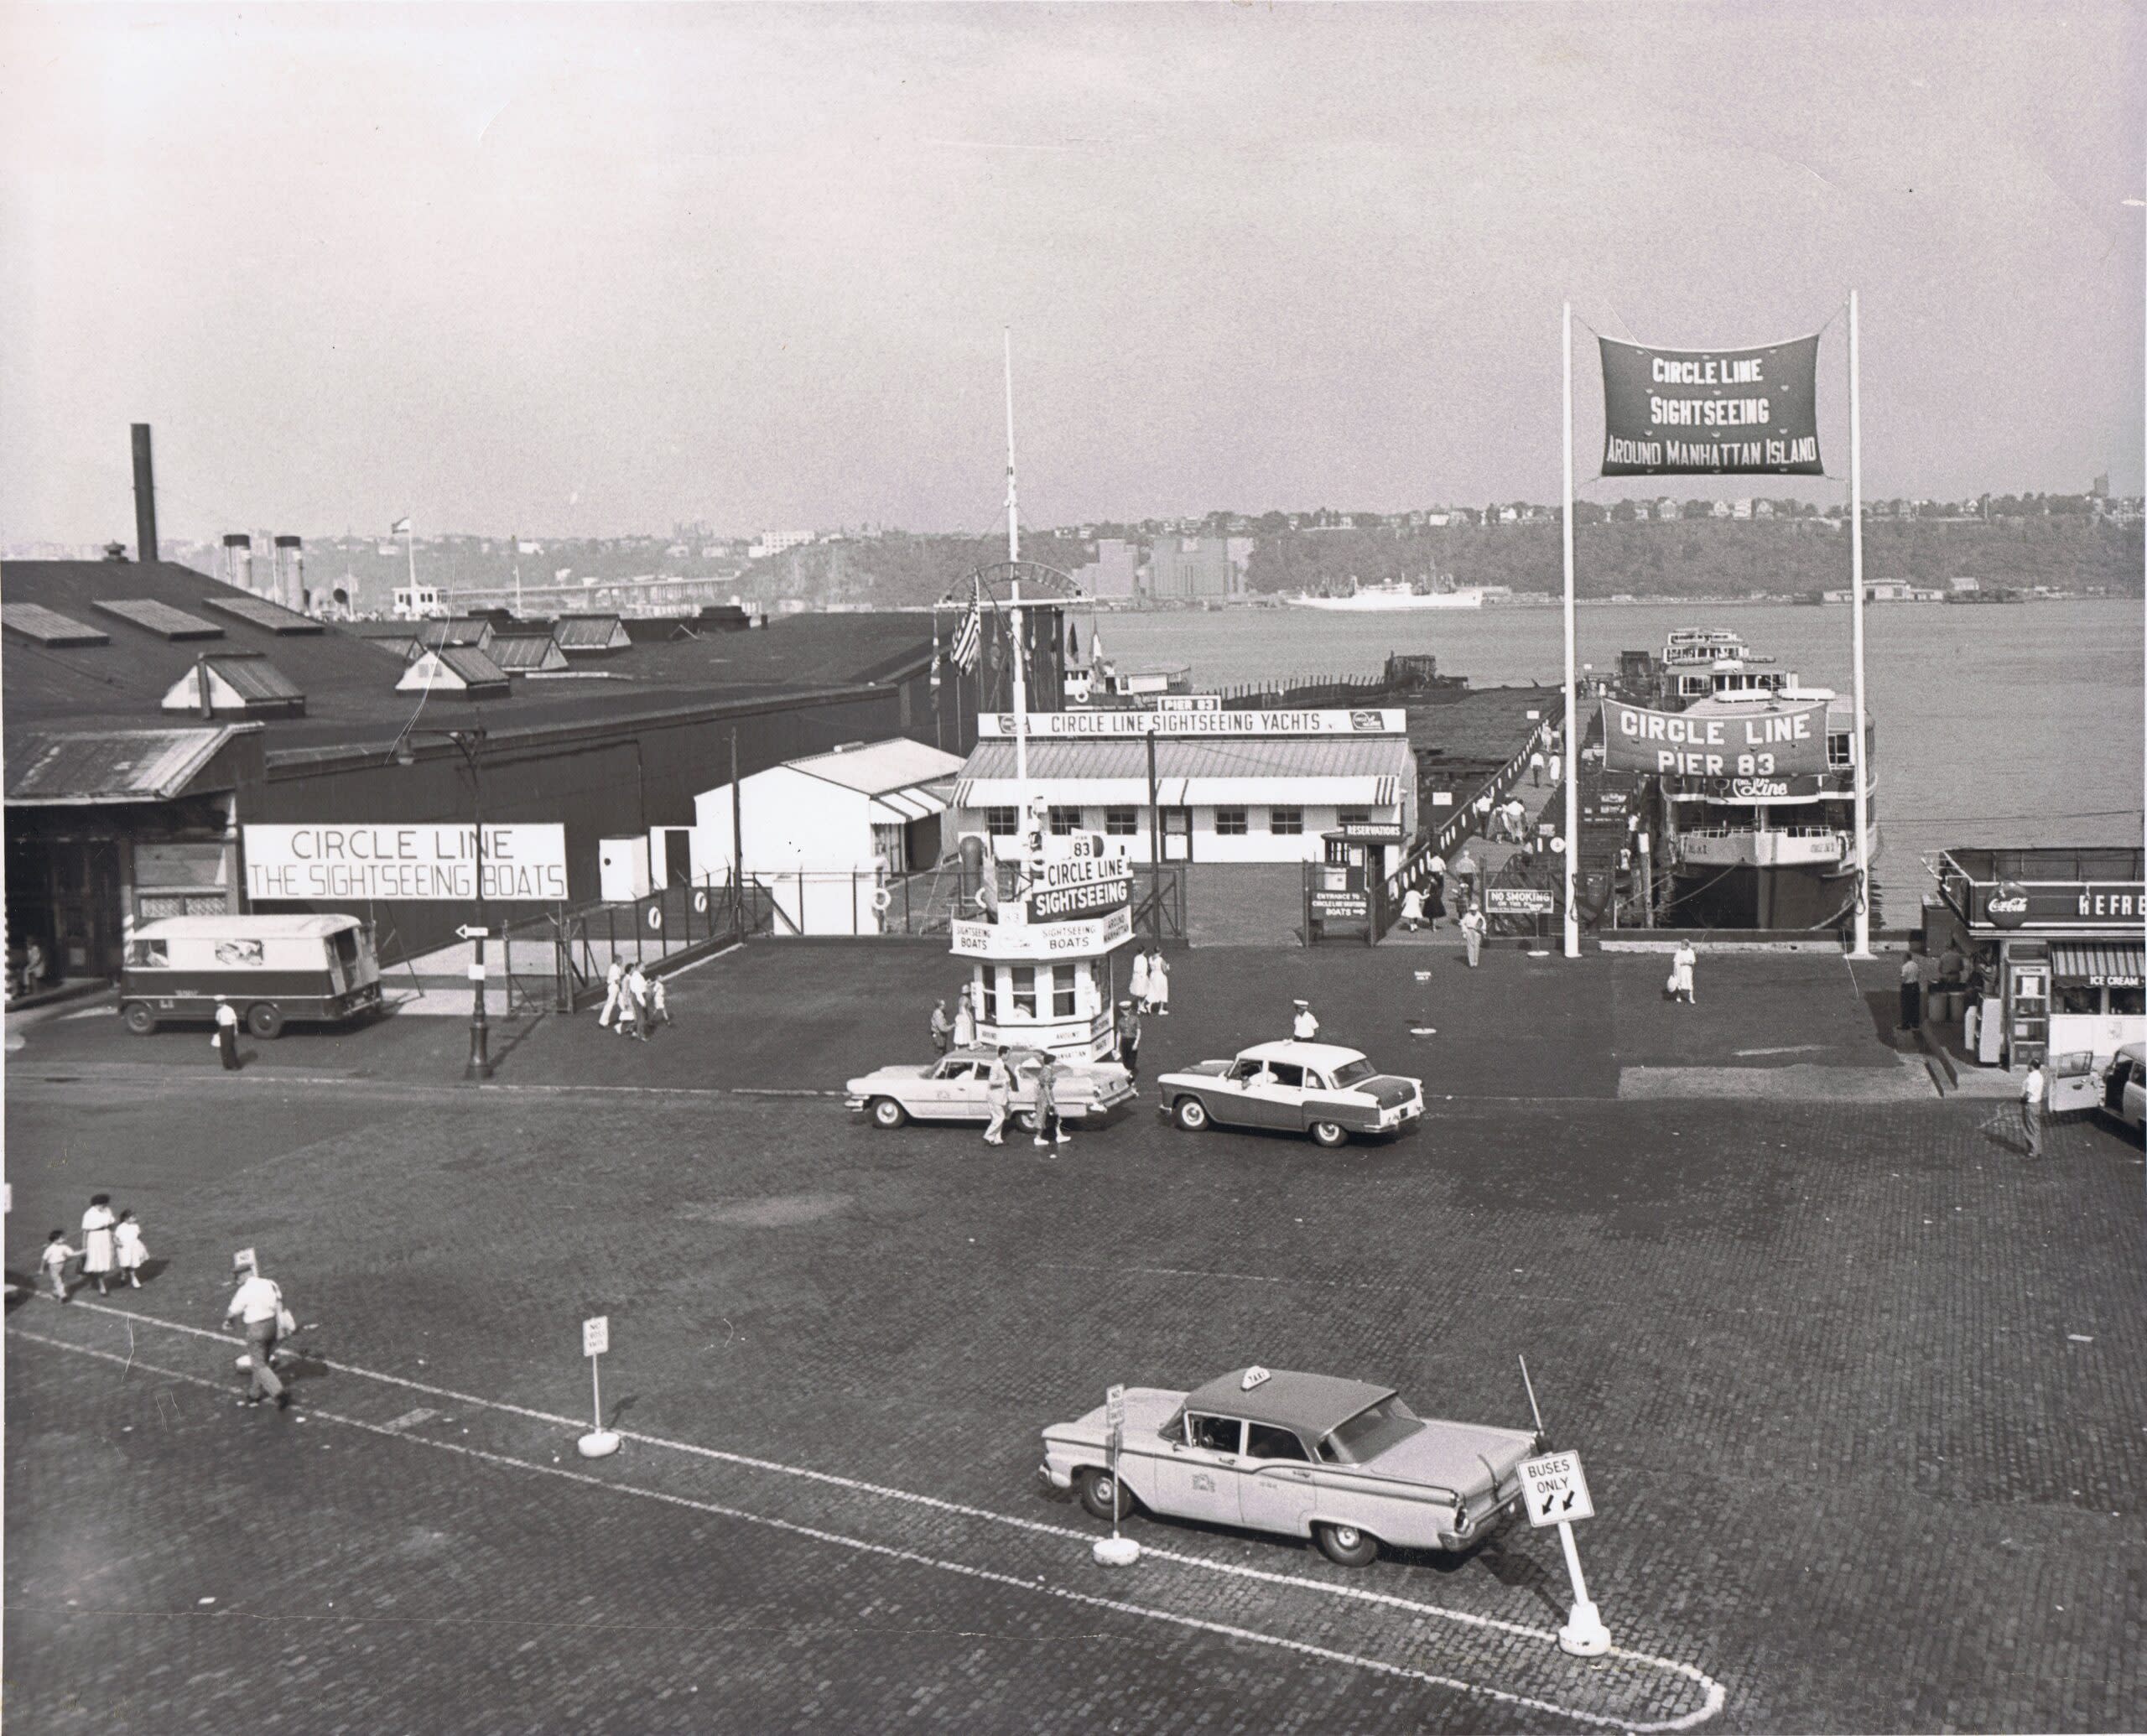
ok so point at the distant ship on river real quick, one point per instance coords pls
(1373, 599)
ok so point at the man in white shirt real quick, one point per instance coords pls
(257, 1304)
(1304, 1027)
(2032, 1089)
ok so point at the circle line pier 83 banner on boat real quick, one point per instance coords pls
(1727, 412)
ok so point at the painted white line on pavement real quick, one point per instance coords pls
(865, 1545)
(857, 1486)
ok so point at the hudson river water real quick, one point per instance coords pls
(2001, 724)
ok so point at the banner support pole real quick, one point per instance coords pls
(1570, 766)
(1863, 947)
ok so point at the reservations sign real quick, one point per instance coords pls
(1067, 725)
(1780, 743)
(404, 862)
(1669, 412)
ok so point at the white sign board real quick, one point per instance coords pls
(596, 1335)
(1073, 725)
(407, 862)
(1556, 1489)
(1016, 941)
(244, 1261)
(1115, 1407)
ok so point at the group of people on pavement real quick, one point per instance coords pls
(634, 1002)
(112, 1250)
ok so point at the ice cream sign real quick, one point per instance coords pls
(1781, 742)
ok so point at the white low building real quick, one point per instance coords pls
(823, 834)
(1229, 786)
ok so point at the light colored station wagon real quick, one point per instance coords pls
(955, 1088)
(1342, 1461)
(1316, 1088)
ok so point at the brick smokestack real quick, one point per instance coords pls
(145, 496)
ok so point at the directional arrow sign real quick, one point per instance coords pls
(469, 931)
(1556, 1488)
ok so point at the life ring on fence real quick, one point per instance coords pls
(656, 916)
(700, 903)
(881, 899)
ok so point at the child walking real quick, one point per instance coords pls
(133, 1253)
(54, 1260)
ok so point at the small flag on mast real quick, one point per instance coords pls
(399, 526)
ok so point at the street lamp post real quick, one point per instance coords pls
(470, 743)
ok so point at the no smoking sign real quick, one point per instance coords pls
(1556, 1488)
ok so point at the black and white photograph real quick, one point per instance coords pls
(1074, 868)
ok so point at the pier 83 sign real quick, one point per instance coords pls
(1782, 743)
(405, 862)
(1671, 412)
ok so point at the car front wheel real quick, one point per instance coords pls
(1346, 1546)
(265, 1020)
(1101, 1492)
(1192, 1115)
(887, 1113)
(139, 1019)
(1328, 1135)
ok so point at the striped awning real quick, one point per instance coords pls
(2114, 966)
(895, 807)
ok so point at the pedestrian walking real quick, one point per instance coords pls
(965, 1021)
(1551, 767)
(1517, 820)
(1159, 984)
(1129, 1037)
(659, 1002)
(54, 1260)
(636, 999)
(257, 1304)
(615, 986)
(1471, 935)
(227, 1038)
(942, 1027)
(100, 1252)
(1681, 973)
(1136, 984)
(1304, 1027)
(2032, 1089)
(998, 1098)
(1412, 909)
(1435, 889)
(1049, 1130)
(1535, 768)
(133, 1252)
(1911, 989)
(1466, 891)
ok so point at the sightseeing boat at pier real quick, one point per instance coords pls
(1762, 851)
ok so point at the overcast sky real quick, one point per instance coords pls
(577, 272)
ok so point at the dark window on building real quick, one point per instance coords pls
(1231, 822)
(1121, 822)
(2077, 998)
(1289, 821)
(2130, 1002)
(1025, 988)
(1837, 754)
(1062, 992)
(1353, 817)
(1065, 822)
(1000, 822)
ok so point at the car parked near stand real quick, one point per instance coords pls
(1318, 1088)
(2125, 1087)
(1345, 1462)
(953, 1088)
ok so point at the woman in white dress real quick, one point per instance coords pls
(133, 1253)
(965, 1021)
(1136, 986)
(100, 1251)
(1159, 984)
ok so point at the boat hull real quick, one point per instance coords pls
(1366, 602)
(1800, 897)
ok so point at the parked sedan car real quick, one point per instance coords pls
(1342, 1461)
(1314, 1088)
(952, 1088)
(2125, 1086)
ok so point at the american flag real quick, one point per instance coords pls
(969, 636)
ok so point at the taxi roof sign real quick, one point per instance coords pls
(1254, 1376)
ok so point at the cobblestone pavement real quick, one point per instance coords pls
(1863, 1395)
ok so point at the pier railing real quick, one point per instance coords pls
(1465, 822)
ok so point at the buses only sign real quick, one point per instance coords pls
(1556, 1488)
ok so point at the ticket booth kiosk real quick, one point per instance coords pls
(1344, 888)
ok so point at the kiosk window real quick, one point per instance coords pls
(1287, 820)
(1121, 822)
(1000, 822)
(2131, 1001)
(2077, 998)
(1025, 989)
(1065, 822)
(1062, 991)
(1231, 822)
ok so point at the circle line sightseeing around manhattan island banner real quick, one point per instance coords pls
(1669, 412)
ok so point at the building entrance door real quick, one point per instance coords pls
(1177, 835)
(678, 855)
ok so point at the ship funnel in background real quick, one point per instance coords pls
(238, 560)
(145, 496)
(290, 573)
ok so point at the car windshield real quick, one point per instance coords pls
(1353, 1072)
(1370, 1433)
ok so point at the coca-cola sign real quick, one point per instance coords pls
(2007, 906)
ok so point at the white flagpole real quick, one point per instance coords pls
(410, 555)
(1014, 611)
(1862, 948)
(1571, 758)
